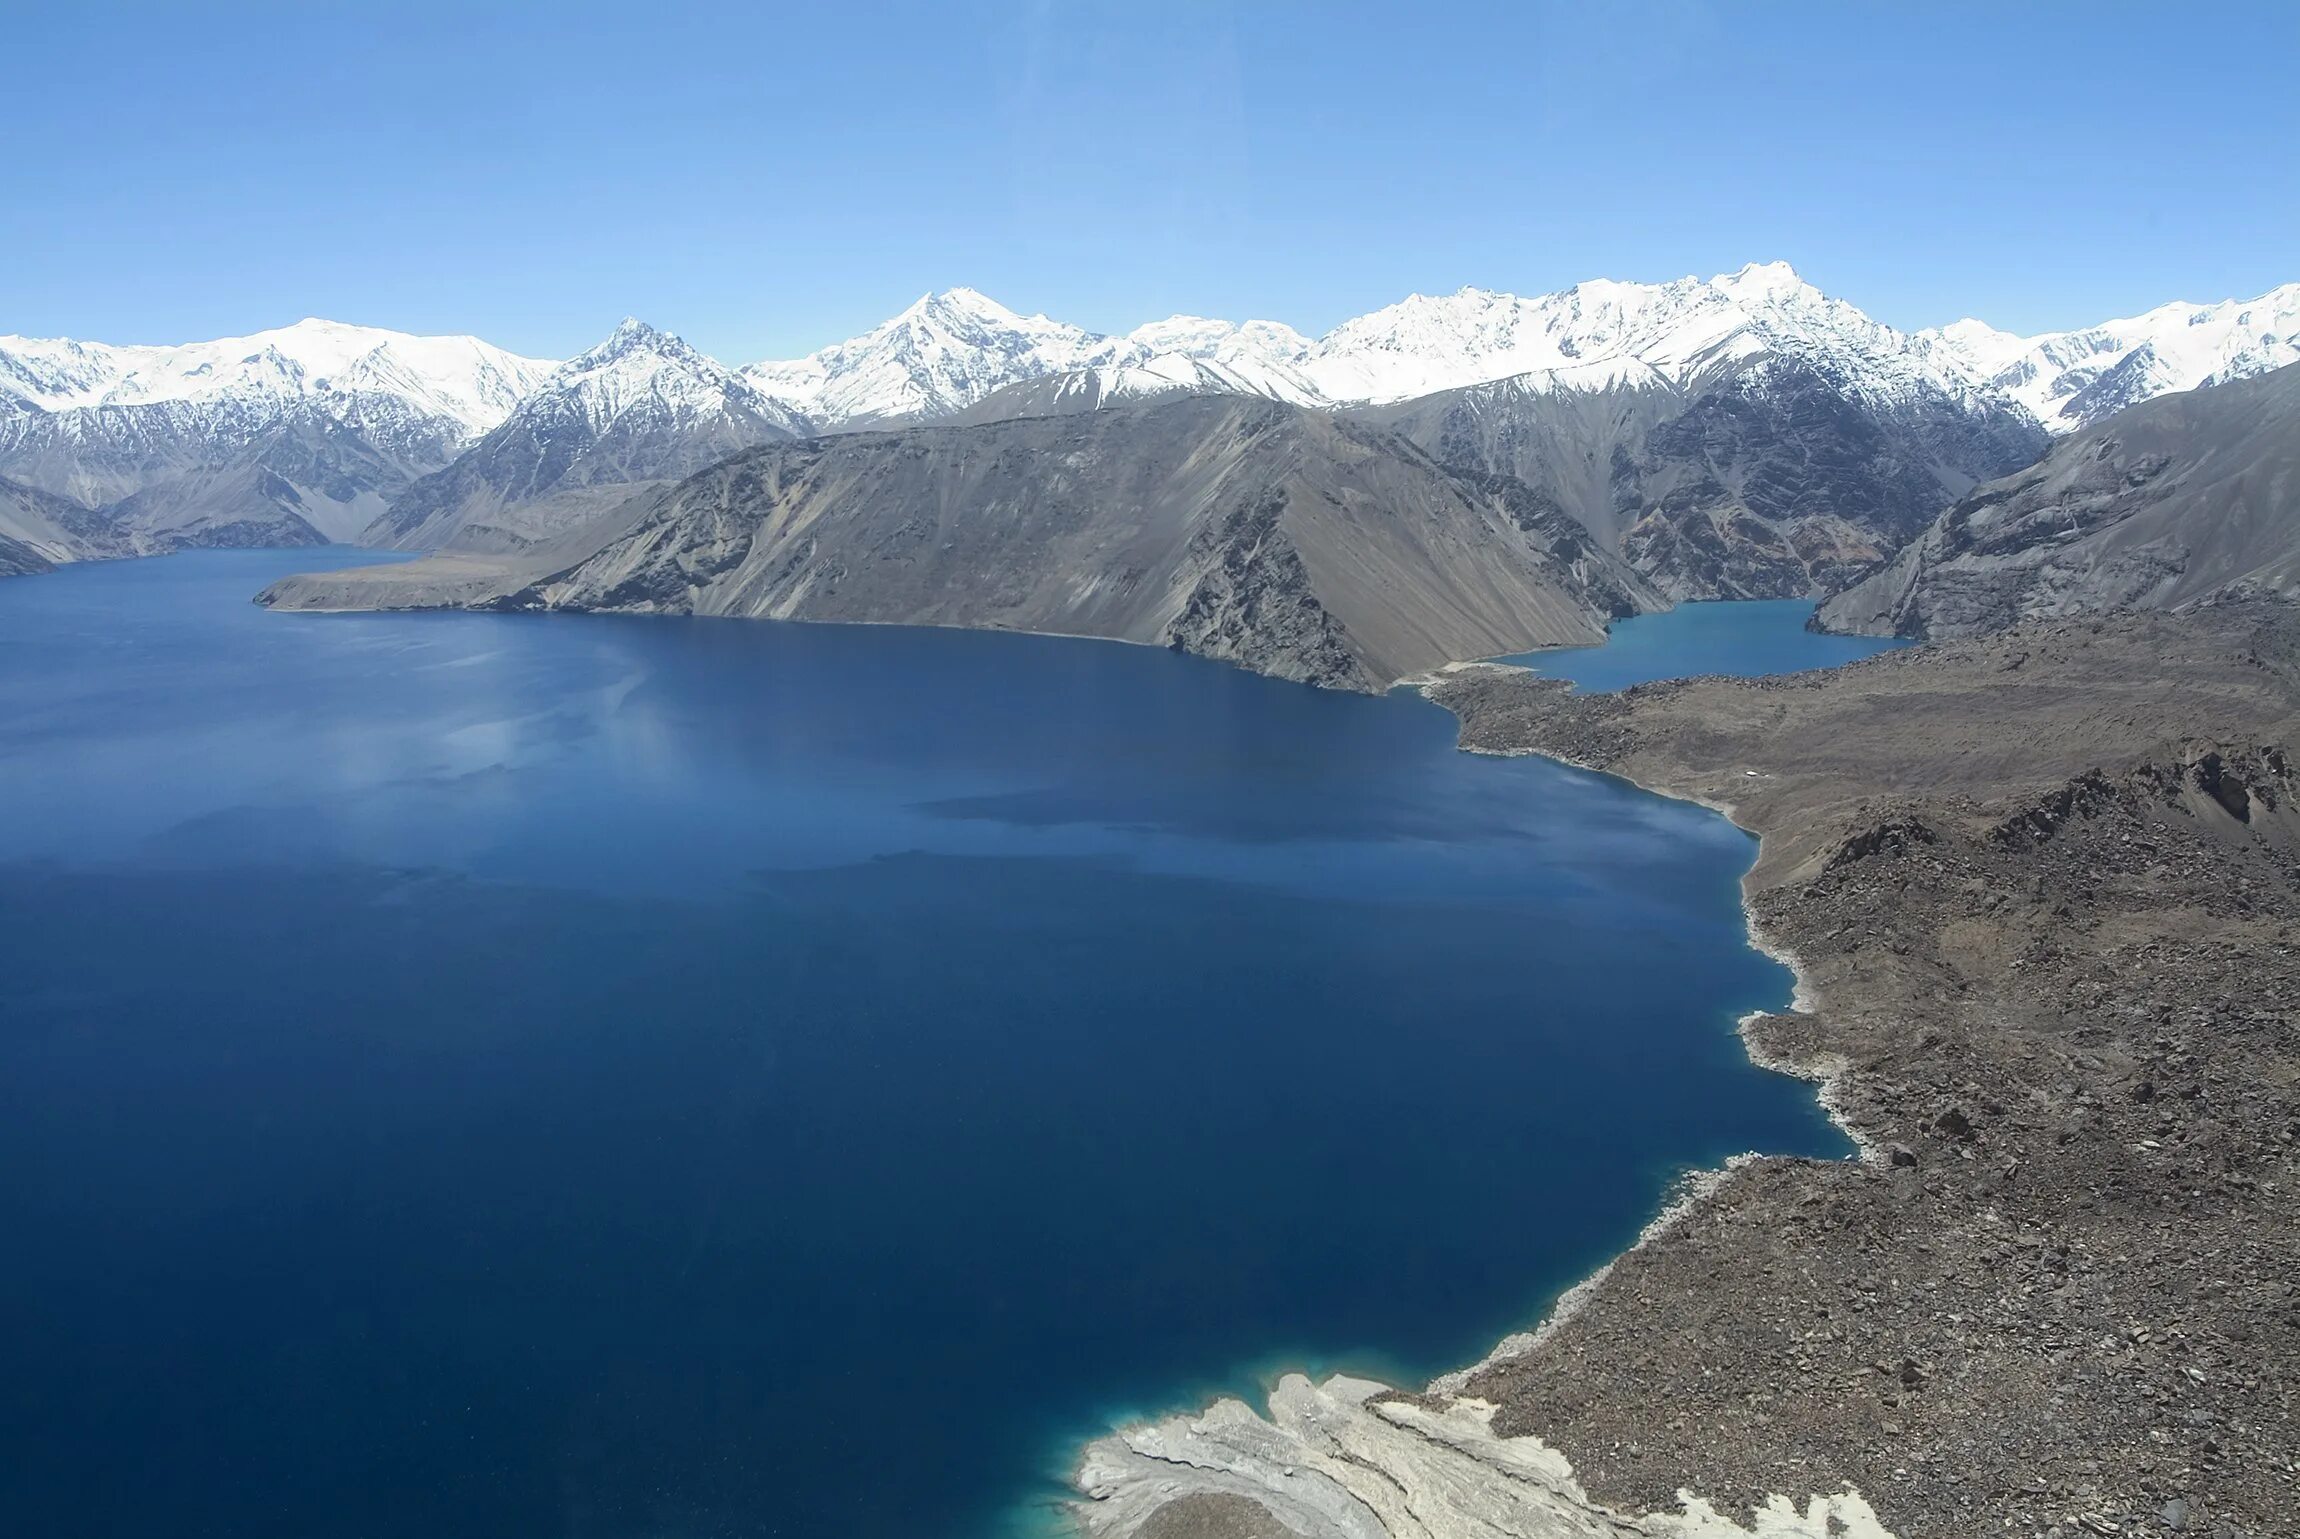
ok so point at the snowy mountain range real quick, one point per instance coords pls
(950, 351)
(298, 435)
(461, 383)
(2072, 379)
(321, 431)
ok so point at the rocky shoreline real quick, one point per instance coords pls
(2043, 893)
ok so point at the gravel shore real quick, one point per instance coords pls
(2042, 890)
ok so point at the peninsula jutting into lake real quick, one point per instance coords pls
(783, 1038)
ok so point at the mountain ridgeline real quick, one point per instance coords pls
(1289, 541)
(299, 436)
(2184, 500)
(1447, 476)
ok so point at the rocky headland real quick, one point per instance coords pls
(1292, 542)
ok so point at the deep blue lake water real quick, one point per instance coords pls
(484, 1075)
(1747, 639)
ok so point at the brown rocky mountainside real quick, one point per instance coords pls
(2044, 888)
(1289, 541)
(2181, 500)
(1767, 480)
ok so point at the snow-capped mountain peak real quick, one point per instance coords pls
(634, 338)
(1987, 350)
(944, 352)
(1187, 336)
(966, 308)
(655, 374)
(1259, 357)
(1765, 281)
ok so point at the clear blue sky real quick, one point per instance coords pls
(764, 178)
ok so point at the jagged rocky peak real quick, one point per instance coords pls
(632, 335)
(640, 407)
(635, 344)
(642, 368)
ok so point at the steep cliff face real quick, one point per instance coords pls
(1765, 479)
(1280, 539)
(2179, 501)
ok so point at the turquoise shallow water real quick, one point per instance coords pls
(1745, 639)
(471, 1075)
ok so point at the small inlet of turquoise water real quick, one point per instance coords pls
(1746, 639)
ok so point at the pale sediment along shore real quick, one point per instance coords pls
(2037, 893)
(1352, 1457)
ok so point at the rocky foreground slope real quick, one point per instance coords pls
(2043, 889)
(2183, 500)
(1241, 529)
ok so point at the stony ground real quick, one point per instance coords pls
(2045, 888)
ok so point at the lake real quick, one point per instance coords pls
(483, 1075)
(1746, 639)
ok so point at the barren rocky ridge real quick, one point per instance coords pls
(2183, 500)
(1285, 540)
